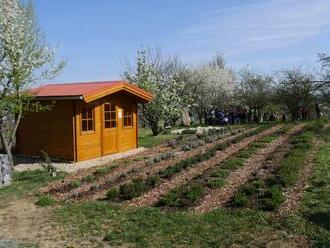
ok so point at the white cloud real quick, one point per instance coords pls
(260, 26)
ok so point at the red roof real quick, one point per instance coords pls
(84, 89)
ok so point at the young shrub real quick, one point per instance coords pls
(152, 181)
(215, 183)
(102, 171)
(233, 163)
(47, 165)
(112, 194)
(170, 200)
(248, 189)
(131, 190)
(89, 178)
(194, 193)
(44, 201)
(172, 143)
(272, 198)
(75, 184)
(239, 200)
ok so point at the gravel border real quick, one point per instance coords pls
(74, 167)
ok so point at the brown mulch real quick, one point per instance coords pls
(153, 196)
(294, 195)
(118, 166)
(124, 172)
(220, 196)
(143, 172)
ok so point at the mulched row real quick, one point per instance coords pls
(153, 196)
(221, 196)
(124, 170)
(98, 190)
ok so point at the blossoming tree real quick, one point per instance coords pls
(25, 59)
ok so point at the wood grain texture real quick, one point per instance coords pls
(59, 133)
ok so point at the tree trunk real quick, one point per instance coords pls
(155, 128)
(5, 170)
(6, 160)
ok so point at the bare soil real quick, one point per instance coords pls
(23, 221)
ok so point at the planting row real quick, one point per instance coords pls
(138, 186)
(95, 190)
(188, 195)
(265, 189)
(133, 165)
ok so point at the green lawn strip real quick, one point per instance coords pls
(138, 186)
(266, 193)
(26, 182)
(313, 219)
(188, 194)
(152, 227)
(147, 140)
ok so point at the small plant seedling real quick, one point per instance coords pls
(75, 184)
(44, 201)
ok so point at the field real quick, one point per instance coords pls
(241, 186)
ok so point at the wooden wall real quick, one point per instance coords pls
(50, 131)
(91, 145)
(58, 132)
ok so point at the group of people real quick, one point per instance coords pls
(219, 117)
(239, 115)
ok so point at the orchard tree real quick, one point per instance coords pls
(210, 86)
(253, 91)
(158, 76)
(295, 91)
(25, 59)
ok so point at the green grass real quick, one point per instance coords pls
(28, 181)
(44, 201)
(146, 139)
(313, 220)
(154, 228)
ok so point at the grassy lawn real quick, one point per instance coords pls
(146, 139)
(26, 183)
(150, 227)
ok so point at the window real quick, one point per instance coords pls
(128, 117)
(109, 115)
(87, 120)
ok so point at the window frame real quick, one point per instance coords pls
(110, 112)
(86, 109)
(131, 109)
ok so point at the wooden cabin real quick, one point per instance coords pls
(86, 120)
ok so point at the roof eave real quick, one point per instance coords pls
(142, 95)
(48, 98)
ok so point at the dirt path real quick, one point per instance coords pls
(218, 197)
(124, 175)
(153, 196)
(294, 195)
(25, 222)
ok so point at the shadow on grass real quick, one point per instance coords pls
(321, 219)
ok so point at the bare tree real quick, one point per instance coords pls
(253, 91)
(295, 90)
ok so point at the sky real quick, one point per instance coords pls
(98, 37)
